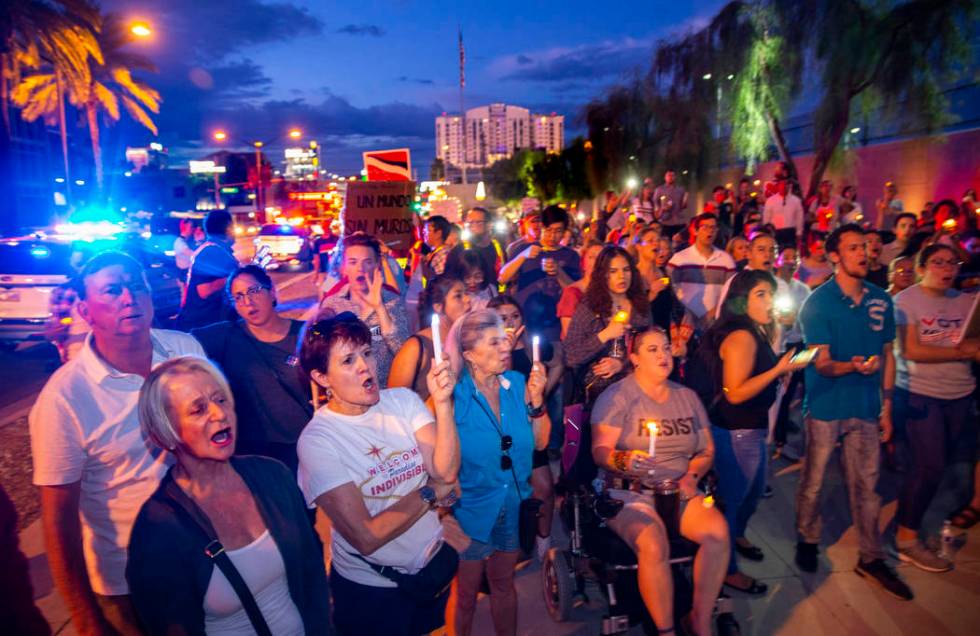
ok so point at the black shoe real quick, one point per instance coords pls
(767, 492)
(750, 552)
(806, 556)
(884, 576)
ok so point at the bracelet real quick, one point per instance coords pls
(620, 460)
(535, 413)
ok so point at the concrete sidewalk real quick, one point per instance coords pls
(833, 601)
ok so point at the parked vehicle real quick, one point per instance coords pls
(288, 246)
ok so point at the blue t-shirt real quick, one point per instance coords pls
(538, 293)
(486, 489)
(828, 317)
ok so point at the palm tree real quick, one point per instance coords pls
(111, 83)
(55, 32)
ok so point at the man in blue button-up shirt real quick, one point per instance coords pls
(848, 398)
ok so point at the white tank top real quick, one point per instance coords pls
(262, 568)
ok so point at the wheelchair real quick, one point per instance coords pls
(597, 554)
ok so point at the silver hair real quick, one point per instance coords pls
(466, 332)
(155, 408)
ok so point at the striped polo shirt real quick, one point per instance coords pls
(698, 281)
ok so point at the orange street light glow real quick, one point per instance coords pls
(220, 135)
(258, 144)
(141, 29)
(295, 133)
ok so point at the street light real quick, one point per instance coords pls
(140, 29)
(295, 133)
(220, 135)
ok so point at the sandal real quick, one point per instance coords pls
(966, 517)
(756, 588)
(750, 552)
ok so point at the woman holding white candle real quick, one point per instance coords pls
(443, 301)
(542, 479)
(501, 419)
(647, 429)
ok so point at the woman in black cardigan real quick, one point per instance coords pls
(211, 505)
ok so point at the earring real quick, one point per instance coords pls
(327, 393)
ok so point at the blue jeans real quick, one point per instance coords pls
(860, 457)
(740, 459)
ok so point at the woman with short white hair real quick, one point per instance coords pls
(224, 545)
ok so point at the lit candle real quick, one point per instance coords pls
(654, 430)
(949, 224)
(436, 338)
(535, 345)
(621, 316)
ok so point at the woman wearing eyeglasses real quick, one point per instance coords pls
(501, 421)
(257, 353)
(933, 392)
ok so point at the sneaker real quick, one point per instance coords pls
(884, 576)
(806, 556)
(922, 557)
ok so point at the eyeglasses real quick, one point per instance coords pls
(249, 293)
(941, 263)
(506, 463)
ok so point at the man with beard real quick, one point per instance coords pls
(848, 399)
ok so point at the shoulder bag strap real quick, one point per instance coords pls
(216, 552)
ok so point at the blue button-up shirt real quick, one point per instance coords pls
(829, 317)
(485, 487)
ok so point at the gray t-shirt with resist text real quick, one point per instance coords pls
(683, 425)
(938, 322)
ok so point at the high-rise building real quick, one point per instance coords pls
(494, 132)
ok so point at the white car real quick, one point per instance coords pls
(30, 270)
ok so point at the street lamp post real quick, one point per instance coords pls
(293, 133)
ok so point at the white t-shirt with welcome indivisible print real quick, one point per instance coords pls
(378, 453)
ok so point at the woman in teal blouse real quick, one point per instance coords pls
(500, 422)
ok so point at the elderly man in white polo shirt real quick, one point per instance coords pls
(92, 465)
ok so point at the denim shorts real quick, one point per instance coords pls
(504, 536)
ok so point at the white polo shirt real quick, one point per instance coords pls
(84, 427)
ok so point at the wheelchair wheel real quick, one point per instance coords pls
(558, 584)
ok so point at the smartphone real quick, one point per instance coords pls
(805, 357)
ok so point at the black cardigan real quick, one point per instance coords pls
(168, 572)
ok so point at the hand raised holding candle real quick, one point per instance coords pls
(536, 383)
(440, 382)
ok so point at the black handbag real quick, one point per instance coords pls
(428, 583)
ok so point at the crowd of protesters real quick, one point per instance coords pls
(419, 410)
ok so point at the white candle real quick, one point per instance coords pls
(535, 345)
(436, 339)
(654, 429)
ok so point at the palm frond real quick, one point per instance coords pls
(104, 97)
(137, 113)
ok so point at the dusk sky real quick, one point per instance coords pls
(358, 76)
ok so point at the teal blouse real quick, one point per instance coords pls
(485, 487)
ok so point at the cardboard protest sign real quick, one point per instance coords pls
(383, 209)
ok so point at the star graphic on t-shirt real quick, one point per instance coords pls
(374, 450)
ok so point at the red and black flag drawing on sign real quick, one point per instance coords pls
(388, 165)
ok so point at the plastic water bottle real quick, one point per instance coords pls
(946, 538)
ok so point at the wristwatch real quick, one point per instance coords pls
(535, 412)
(428, 495)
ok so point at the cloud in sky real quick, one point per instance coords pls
(416, 80)
(598, 61)
(369, 30)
